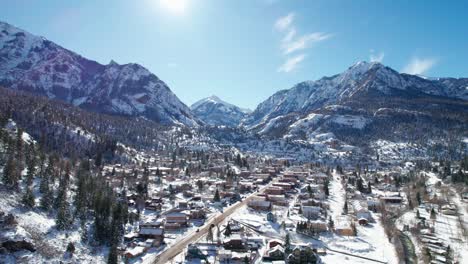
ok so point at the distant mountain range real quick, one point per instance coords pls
(37, 65)
(367, 101)
(216, 112)
(364, 99)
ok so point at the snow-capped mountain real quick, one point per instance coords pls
(367, 100)
(216, 112)
(35, 64)
(361, 77)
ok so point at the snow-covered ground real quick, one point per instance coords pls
(371, 241)
(447, 228)
(39, 228)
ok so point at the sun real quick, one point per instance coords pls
(174, 6)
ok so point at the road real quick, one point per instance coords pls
(176, 249)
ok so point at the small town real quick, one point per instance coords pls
(229, 208)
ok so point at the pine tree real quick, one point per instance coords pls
(47, 195)
(433, 214)
(216, 196)
(228, 231)
(331, 223)
(31, 169)
(326, 187)
(345, 207)
(11, 172)
(64, 218)
(287, 244)
(84, 231)
(113, 257)
(209, 235)
(28, 198)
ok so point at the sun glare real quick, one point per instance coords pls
(174, 6)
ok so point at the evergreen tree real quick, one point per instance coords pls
(433, 214)
(28, 198)
(31, 170)
(200, 185)
(47, 196)
(418, 198)
(287, 244)
(84, 231)
(326, 187)
(113, 257)
(11, 172)
(216, 196)
(64, 218)
(209, 235)
(345, 207)
(228, 231)
(331, 223)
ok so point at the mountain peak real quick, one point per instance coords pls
(363, 66)
(113, 63)
(214, 111)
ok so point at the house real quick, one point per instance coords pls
(361, 210)
(259, 203)
(284, 185)
(271, 217)
(302, 255)
(134, 252)
(157, 234)
(275, 253)
(175, 220)
(311, 212)
(275, 242)
(343, 226)
(235, 242)
(318, 226)
(279, 200)
(274, 190)
(197, 214)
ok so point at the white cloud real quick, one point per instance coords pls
(419, 66)
(302, 42)
(172, 65)
(291, 63)
(285, 22)
(376, 57)
(292, 42)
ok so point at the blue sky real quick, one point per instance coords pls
(245, 50)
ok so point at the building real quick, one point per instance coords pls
(361, 210)
(175, 220)
(157, 234)
(311, 212)
(259, 203)
(343, 226)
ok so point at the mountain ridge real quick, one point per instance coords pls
(37, 65)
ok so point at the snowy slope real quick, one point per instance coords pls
(215, 111)
(361, 77)
(35, 64)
